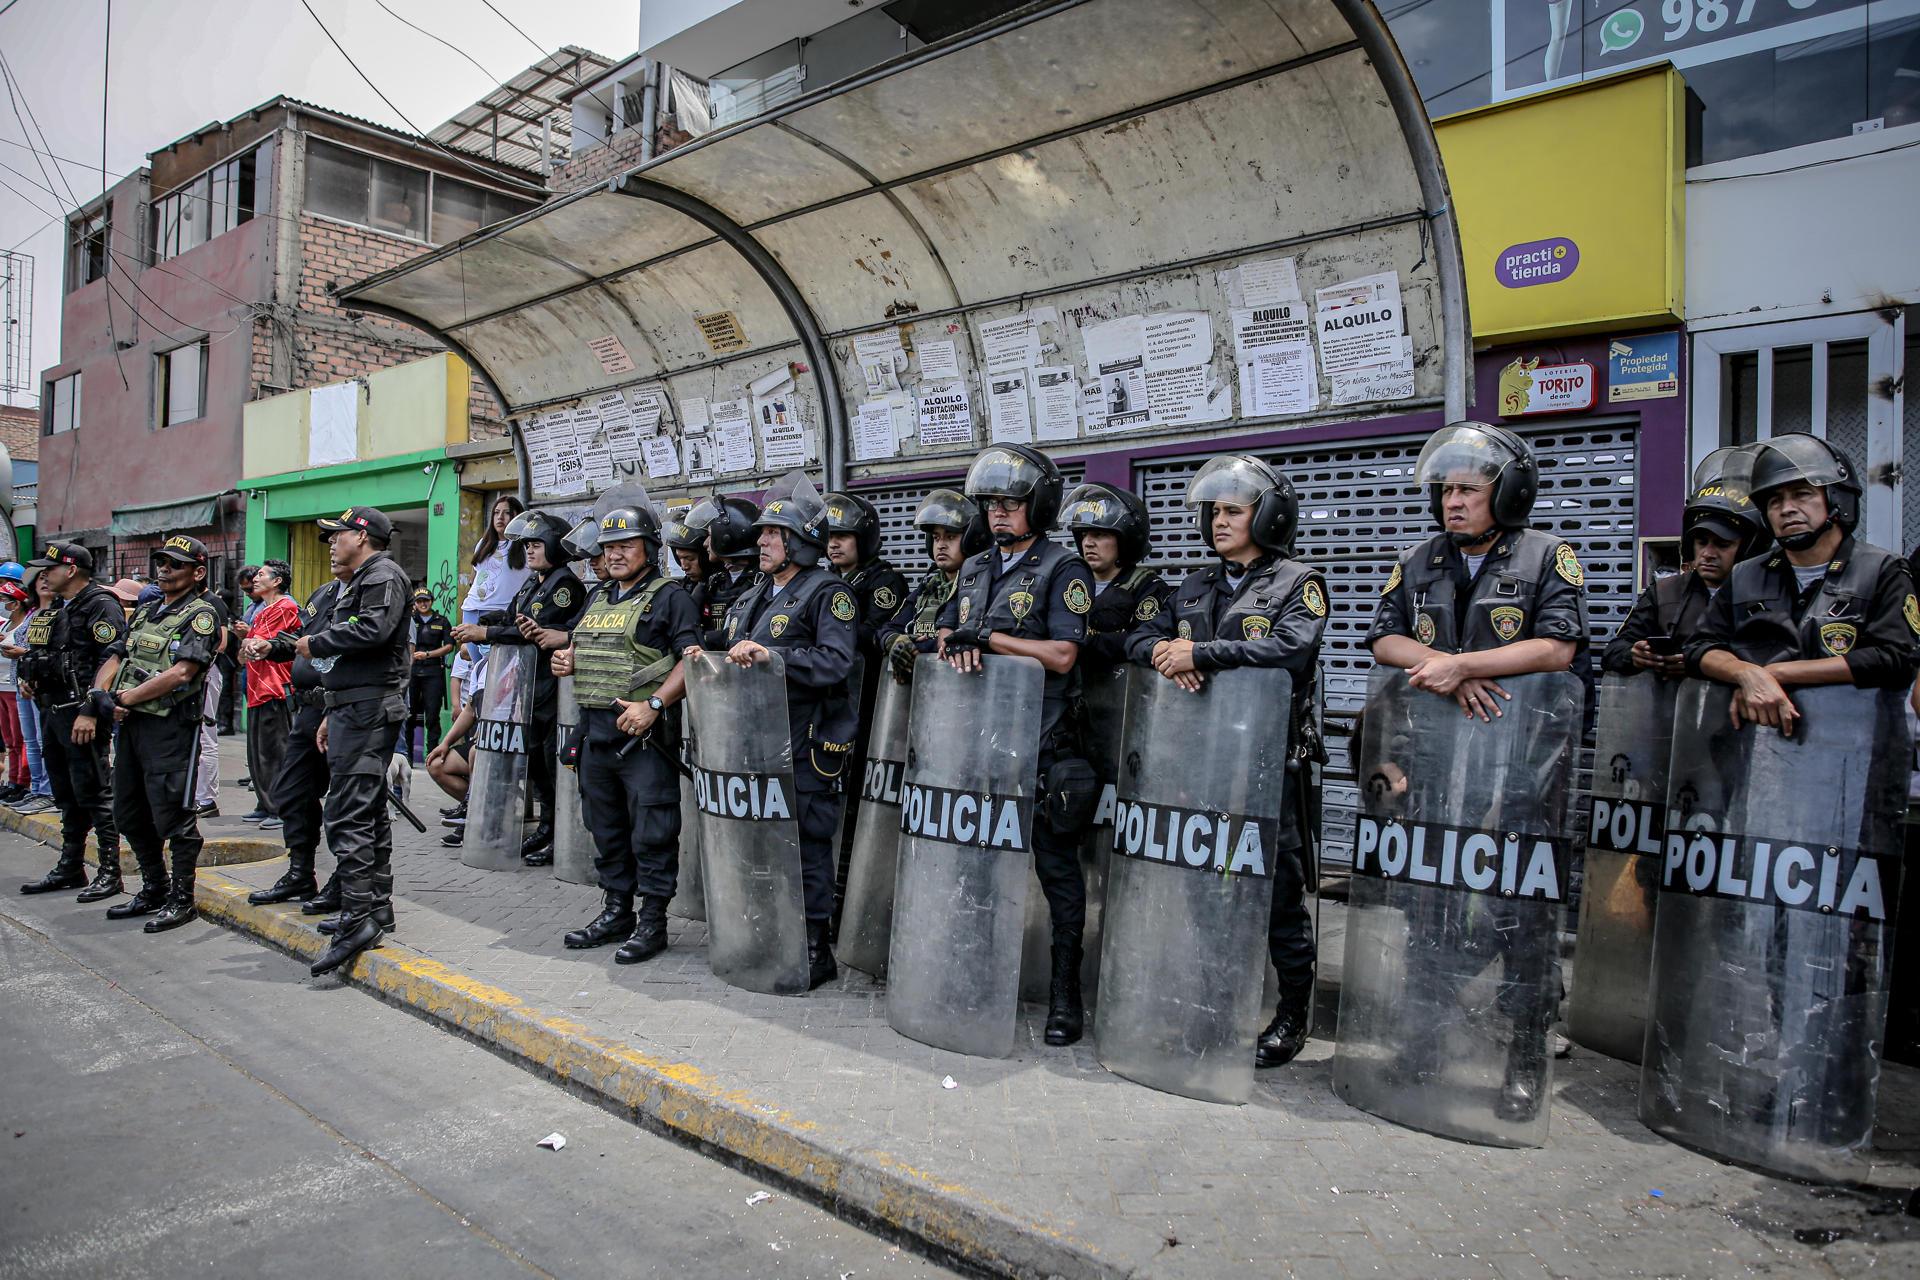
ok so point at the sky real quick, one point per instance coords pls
(176, 65)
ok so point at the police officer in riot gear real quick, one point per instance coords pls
(810, 616)
(65, 648)
(1487, 597)
(541, 613)
(304, 779)
(1259, 607)
(624, 661)
(706, 577)
(853, 548)
(1110, 527)
(1823, 607)
(362, 655)
(1719, 528)
(153, 684)
(1027, 596)
(954, 529)
(733, 540)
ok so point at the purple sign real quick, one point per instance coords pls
(1536, 262)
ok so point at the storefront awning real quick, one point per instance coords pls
(1091, 156)
(143, 522)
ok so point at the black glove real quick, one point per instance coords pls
(902, 655)
(965, 638)
(100, 704)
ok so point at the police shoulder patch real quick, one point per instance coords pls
(885, 598)
(842, 606)
(1911, 612)
(1256, 628)
(1076, 598)
(562, 597)
(103, 631)
(203, 622)
(1393, 580)
(778, 625)
(1507, 621)
(1314, 598)
(1837, 638)
(1567, 565)
(1149, 607)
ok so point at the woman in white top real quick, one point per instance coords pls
(499, 567)
(39, 798)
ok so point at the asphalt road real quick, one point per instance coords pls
(193, 1103)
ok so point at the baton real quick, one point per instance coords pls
(405, 812)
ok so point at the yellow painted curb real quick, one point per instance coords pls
(218, 851)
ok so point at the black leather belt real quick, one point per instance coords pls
(346, 697)
(310, 697)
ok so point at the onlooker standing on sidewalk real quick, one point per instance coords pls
(269, 713)
(432, 641)
(499, 568)
(40, 798)
(15, 597)
(206, 794)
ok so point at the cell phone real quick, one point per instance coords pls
(1666, 646)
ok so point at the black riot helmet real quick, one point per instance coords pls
(1479, 453)
(540, 527)
(1249, 482)
(1796, 457)
(1721, 501)
(1023, 472)
(583, 540)
(624, 524)
(681, 536)
(952, 510)
(728, 525)
(850, 513)
(794, 507)
(1102, 508)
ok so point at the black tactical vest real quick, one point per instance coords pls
(1765, 628)
(1500, 605)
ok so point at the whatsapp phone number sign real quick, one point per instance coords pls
(1615, 34)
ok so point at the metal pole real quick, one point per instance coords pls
(649, 107)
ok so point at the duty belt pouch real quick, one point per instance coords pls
(570, 749)
(1070, 794)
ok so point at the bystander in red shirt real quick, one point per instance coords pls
(267, 681)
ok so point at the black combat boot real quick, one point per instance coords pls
(649, 933)
(179, 909)
(296, 885)
(820, 966)
(68, 873)
(357, 934)
(613, 924)
(1066, 1017)
(537, 849)
(1526, 1075)
(151, 898)
(1287, 1033)
(327, 901)
(106, 883)
(382, 916)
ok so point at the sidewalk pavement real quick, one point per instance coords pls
(1044, 1163)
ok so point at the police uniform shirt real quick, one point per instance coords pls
(199, 639)
(1122, 605)
(314, 618)
(1274, 616)
(711, 596)
(1530, 587)
(926, 599)
(1675, 605)
(879, 591)
(429, 633)
(1862, 609)
(85, 630)
(811, 623)
(553, 601)
(671, 625)
(364, 643)
(1045, 593)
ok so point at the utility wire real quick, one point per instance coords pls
(545, 53)
(495, 80)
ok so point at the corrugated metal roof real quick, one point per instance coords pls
(507, 125)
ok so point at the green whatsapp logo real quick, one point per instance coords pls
(1621, 31)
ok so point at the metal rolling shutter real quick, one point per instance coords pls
(899, 540)
(1358, 510)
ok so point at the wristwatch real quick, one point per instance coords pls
(653, 700)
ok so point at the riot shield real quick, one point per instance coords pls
(1773, 943)
(497, 787)
(966, 843)
(690, 894)
(1197, 810)
(572, 842)
(866, 919)
(1633, 737)
(1459, 872)
(749, 840)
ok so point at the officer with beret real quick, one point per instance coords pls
(627, 679)
(541, 613)
(1823, 607)
(65, 649)
(1027, 596)
(1258, 607)
(363, 659)
(153, 684)
(806, 613)
(952, 528)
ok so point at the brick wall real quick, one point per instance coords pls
(20, 432)
(613, 157)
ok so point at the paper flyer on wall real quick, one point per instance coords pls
(783, 445)
(594, 450)
(1376, 382)
(1359, 322)
(1009, 418)
(1271, 280)
(1056, 399)
(698, 456)
(1010, 344)
(1280, 380)
(873, 434)
(693, 416)
(662, 460)
(611, 410)
(732, 433)
(946, 417)
(650, 406)
(1116, 355)
(1184, 397)
(879, 356)
(938, 361)
(1177, 340)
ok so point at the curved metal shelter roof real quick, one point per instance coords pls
(1083, 161)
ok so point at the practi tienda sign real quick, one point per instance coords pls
(1536, 262)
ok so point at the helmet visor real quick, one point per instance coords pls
(944, 509)
(528, 524)
(1094, 506)
(1795, 457)
(1465, 454)
(702, 514)
(1001, 473)
(583, 540)
(1240, 480)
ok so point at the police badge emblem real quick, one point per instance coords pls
(1020, 604)
(1506, 621)
(1076, 597)
(103, 631)
(563, 597)
(1256, 628)
(1911, 611)
(1149, 608)
(842, 606)
(1567, 565)
(203, 622)
(778, 626)
(966, 607)
(1314, 599)
(1185, 629)
(884, 597)
(1423, 628)
(1393, 580)
(1837, 638)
